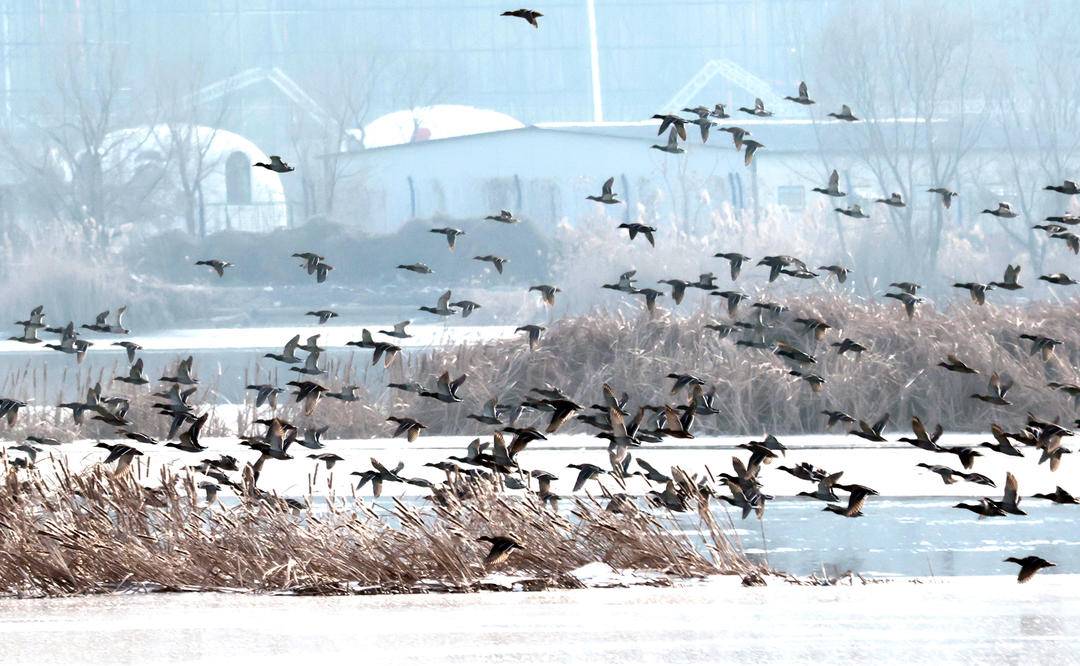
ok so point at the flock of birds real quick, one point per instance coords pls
(626, 429)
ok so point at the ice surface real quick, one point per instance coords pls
(962, 620)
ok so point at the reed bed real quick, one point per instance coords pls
(68, 533)
(754, 391)
(634, 352)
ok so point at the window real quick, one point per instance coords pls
(791, 196)
(238, 178)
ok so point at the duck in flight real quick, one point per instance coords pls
(854, 211)
(1061, 279)
(497, 262)
(738, 135)
(833, 189)
(997, 390)
(977, 290)
(841, 272)
(276, 164)
(758, 110)
(442, 307)
(751, 148)
(1003, 210)
(736, 261)
(896, 200)
(674, 122)
(672, 145)
(635, 228)
(606, 194)
(953, 364)
(547, 293)
(322, 315)
(418, 267)
(946, 195)
(527, 15)
(1009, 283)
(908, 299)
(1029, 566)
(135, 375)
(533, 331)
(450, 233)
(845, 114)
(1068, 187)
(218, 265)
(398, 330)
(803, 97)
(101, 324)
(504, 216)
(501, 547)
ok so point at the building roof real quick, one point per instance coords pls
(430, 123)
(789, 135)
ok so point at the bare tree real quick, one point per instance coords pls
(79, 166)
(191, 125)
(912, 75)
(1037, 112)
(347, 95)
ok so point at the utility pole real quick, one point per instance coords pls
(594, 63)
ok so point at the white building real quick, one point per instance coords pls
(234, 194)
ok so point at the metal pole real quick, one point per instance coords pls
(594, 62)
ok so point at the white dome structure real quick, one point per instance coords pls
(442, 121)
(234, 194)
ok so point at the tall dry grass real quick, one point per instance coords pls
(754, 391)
(92, 531)
(634, 352)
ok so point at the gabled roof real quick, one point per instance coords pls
(728, 71)
(273, 75)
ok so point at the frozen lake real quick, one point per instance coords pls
(224, 355)
(964, 620)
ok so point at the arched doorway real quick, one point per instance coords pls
(238, 178)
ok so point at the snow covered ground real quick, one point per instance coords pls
(960, 620)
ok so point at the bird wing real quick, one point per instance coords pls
(938, 431)
(856, 501)
(618, 425)
(999, 435)
(739, 467)
(834, 180)
(648, 468)
(1011, 489)
(881, 423)
(443, 383)
(608, 184)
(919, 429)
(802, 90)
(291, 345)
(747, 159)
(995, 385)
(672, 141)
(444, 300)
(456, 384)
